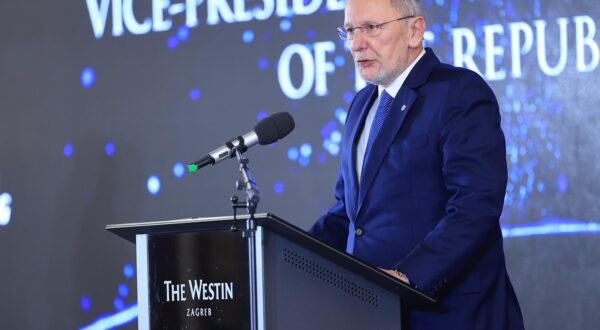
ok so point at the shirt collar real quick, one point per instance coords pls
(395, 86)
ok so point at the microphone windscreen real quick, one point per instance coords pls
(274, 127)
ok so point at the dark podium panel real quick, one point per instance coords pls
(199, 274)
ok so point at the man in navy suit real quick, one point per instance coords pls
(423, 173)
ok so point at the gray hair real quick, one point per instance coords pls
(410, 7)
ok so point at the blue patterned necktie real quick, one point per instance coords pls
(385, 104)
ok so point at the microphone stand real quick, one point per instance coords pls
(252, 198)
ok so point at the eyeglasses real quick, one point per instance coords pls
(370, 30)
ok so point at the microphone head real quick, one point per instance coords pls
(274, 127)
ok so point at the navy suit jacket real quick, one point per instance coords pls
(430, 197)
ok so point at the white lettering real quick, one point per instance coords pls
(300, 8)
(491, 51)
(516, 48)
(464, 59)
(228, 291)
(191, 12)
(117, 16)
(167, 287)
(158, 9)
(214, 8)
(195, 289)
(177, 292)
(323, 66)
(582, 41)
(308, 71)
(239, 9)
(131, 23)
(211, 292)
(266, 12)
(334, 5)
(98, 13)
(204, 285)
(540, 27)
(282, 8)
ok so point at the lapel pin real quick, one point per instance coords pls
(403, 107)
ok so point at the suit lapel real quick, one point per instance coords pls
(355, 136)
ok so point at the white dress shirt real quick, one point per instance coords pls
(392, 89)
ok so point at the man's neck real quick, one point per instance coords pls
(394, 86)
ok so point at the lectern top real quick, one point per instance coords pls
(271, 222)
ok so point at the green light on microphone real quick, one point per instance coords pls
(192, 168)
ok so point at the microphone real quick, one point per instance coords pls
(266, 131)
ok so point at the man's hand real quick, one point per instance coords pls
(396, 274)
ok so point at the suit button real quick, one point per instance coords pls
(359, 232)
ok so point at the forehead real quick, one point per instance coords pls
(358, 12)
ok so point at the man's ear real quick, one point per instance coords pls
(416, 31)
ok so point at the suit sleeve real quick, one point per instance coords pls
(475, 174)
(333, 226)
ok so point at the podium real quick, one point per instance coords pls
(200, 274)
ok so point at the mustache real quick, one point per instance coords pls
(359, 57)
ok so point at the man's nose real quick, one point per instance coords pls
(359, 41)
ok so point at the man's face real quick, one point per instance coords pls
(382, 58)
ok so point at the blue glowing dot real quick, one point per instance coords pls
(540, 186)
(304, 161)
(119, 304)
(128, 271)
(562, 183)
(172, 42)
(305, 150)
(321, 157)
(285, 25)
(293, 154)
(341, 115)
(522, 192)
(278, 187)
(109, 149)
(336, 136)
(5, 209)
(339, 61)
(348, 97)
(328, 129)
(334, 149)
(429, 36)
(248, 36)
(123, 290)
(194, 94)
(153, 185)
(263, 63)
(178, 170)
(68, 150)
(88, 77)
(85, 303)
(183, 33)
(311, 34)
(326, 144)
(261, 115)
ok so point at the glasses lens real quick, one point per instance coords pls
(342, 33)
(372, 30)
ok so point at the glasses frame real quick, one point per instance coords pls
(348, 33)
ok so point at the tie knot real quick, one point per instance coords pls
(385, 98)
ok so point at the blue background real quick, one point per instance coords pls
(98, 130)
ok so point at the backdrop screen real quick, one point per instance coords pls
(104, 102)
